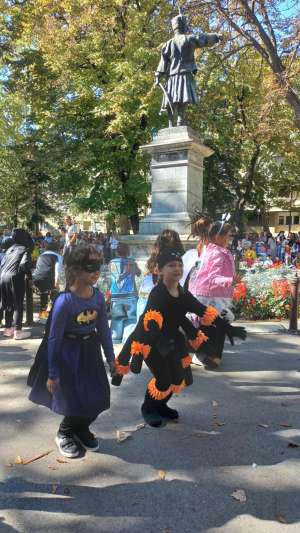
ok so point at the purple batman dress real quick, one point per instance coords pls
(71, 351)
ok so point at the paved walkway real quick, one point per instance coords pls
(234, 434)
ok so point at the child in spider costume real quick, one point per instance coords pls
(158, 340)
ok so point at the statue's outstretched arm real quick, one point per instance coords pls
(207, 39)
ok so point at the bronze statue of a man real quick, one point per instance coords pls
(177, 63)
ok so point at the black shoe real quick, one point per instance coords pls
(167, 412)
(212, 363)
(87, 440)
(67, 446)
(151, 417)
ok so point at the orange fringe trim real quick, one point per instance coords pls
(186, 361)
(140, 348)
(153, 315)
(200, 339)
(155, 393)
(209, 316)
(121, 369)
(178, 388)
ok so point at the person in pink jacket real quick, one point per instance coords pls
(212, 282)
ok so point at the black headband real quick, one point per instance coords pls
(168, 256)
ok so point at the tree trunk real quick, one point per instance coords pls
(294, 102)
(135, 223)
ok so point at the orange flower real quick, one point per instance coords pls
(281, 288)
(156, 316)
(240, 291)
(200, 339)
(209, 316)
(155, 392)
(121, 369)
(186, 361)
(140, 348)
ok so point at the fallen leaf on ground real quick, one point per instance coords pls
(36, 457)
(59, 460)
(204, 433)
(54, 489)
(218, 423)
(263, 425)
(285, 425)
(292, 444)
(52, 467)
(122, 435)
(140, 426)
(281, 518)
(214, 403)
(239, 495)
(18, 460)
(162, 474)
(136, 428)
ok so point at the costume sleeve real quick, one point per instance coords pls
(104, 332)
(146, 334)
(56, 334)
(208, 315)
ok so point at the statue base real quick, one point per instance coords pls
(177, 156)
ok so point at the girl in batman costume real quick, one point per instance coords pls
(158, 341)
(68, 375)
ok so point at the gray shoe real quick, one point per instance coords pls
(67, 446)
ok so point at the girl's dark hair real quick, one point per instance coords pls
(168, 238)
(200, 225)
(75, 258)
(218, 229)
(151, 263)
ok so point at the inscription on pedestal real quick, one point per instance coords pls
(164, 157)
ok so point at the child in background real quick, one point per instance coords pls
(46, 275)
(287, 255)
(148, 282)
(68, 375)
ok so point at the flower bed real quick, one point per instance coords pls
(263, 293)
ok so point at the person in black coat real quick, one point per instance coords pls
(46, 276)
(15, 265)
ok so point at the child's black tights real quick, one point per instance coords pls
(77, 425)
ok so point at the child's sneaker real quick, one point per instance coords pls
(88, 440)
(67, 446)
(20, 334)
(8, 332)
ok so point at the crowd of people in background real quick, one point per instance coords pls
(268, 249)
(43, 266)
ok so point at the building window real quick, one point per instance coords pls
(288, 220)
(281, 220)
(296, 219)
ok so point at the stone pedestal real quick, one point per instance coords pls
(177, 156)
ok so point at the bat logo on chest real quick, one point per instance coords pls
(86, 317)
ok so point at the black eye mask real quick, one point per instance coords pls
(93, 265)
